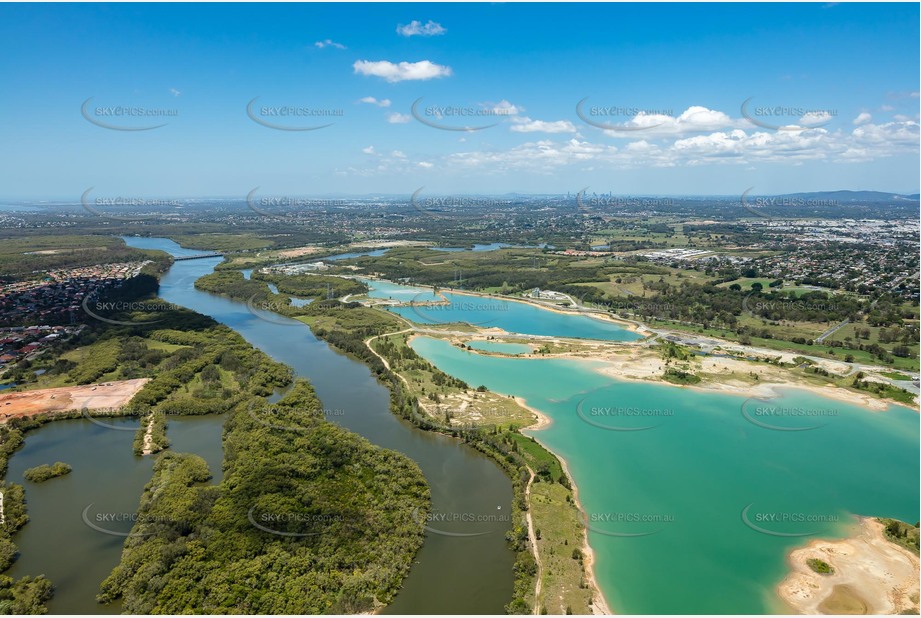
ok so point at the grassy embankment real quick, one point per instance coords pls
(490, 423)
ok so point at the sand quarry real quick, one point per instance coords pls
(872, 576)
(50, 400)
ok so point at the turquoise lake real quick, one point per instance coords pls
(664, 475)
(488, 312)
(395, 291)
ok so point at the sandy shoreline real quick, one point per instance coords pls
(871, 575)
(649, 370)
(767, 390)
(599, 602)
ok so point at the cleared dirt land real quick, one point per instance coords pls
(92, 396)
(872, 576)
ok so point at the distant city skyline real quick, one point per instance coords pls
(655, 99)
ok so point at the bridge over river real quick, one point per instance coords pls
(197, 257)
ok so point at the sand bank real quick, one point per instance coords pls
(872, 576)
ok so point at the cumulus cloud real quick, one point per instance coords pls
(816, 118)
(903, 133)
(329, 43)
(404, 71)
(374, 101)
(526, 125)
(504, 108)
(417, 28)
(695, 119)
(369, 150)
(398, 118)
(174, 92)
(729, 147)
(686, 139)
(541, 156)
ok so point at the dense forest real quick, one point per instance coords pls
(195, 366)
(306, 521)
(346, 326)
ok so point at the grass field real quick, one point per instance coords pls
(860, 356)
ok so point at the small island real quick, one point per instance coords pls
(44, 472)
(820, 566)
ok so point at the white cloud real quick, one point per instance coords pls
(417, 28)
(735, 146)
(398, 118)
(815, 118)
(542, 156)
(174, 92)
(369, 150)
(526, 125)
(891, 134)
(404, 71)
(886, 108)
(695, 119)
(682, 140)
(329, 43)
(374, 101)
(504, 108)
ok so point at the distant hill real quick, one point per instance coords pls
(853, 196)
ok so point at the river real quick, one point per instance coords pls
(451, 574)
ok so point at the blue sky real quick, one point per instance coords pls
(832, 91)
